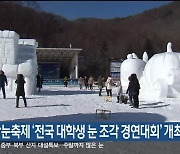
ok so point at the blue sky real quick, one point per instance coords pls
(98, 9)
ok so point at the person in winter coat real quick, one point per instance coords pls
(3, 81)
(103, 81)
(109, 86)
(100, 84)
(86, 82)
(39, 81)
(20, 90)
(81, 82)
(129, 92)
(65, 81)
(134, 89)
(91, 82)
(119, 94)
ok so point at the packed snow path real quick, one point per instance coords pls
(58, 103)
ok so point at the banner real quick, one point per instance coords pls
(82, 132)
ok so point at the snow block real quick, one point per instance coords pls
(13, 55)
(2, 53)
(2, 40)
(13, 34)
(1, 33)
(26, 68)
(10, 40)
(10, 47)
(5, 33)
(4, 60)
(29, 88)
(18, 58)
(10, 70)
(7, 53)
(2, 45)
(31, 42)
(10, 61)
(10, 34)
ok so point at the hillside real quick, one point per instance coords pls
(100, 39)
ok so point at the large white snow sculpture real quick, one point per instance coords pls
(161, 75)
(18, 56)
(129, 66)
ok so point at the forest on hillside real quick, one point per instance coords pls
(100, 39)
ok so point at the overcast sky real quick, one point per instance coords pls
(98, 9)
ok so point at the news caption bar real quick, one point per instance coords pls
(95, 131)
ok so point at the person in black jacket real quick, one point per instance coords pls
(40, 80)
(134, 89)
(129, 92)
(86, 82)
(3, 80)
(20, 89)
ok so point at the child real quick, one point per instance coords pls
(20, 89)
(119, 94)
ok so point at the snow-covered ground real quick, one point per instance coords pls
(57, 103)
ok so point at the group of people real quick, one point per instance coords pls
(20, 86)
(19, 90)
(132, 90)
(108, 84)
(87, 82)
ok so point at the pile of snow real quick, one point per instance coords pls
(18, 56)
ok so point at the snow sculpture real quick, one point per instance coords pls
(129, 66)
(158, 77)
(161, 75)
(18, 56)
(145, 57)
